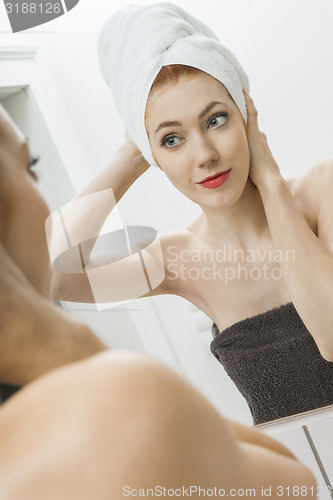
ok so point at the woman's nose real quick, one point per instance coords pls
(204, 151)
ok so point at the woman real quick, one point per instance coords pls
(268, 286)
(117, 422)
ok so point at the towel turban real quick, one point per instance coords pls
(137, 41)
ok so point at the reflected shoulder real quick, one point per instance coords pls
(179, 239)
(312, 187)
(313, 178)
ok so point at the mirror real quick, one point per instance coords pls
(291, 84)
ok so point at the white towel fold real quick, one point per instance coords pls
(137, 41)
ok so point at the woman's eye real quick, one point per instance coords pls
(218, 120)
(170, 141)
(32, 164)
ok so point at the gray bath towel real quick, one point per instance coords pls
(275, 363)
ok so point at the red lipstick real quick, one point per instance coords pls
(215, 180)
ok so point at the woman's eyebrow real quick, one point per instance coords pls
(202, 114)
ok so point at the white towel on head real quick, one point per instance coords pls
(137, 41)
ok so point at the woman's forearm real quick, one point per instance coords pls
(87, 213)
(307, 265)
(80, 221)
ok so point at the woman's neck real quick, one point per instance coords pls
(243, 225)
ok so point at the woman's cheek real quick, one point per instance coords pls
(240, 146)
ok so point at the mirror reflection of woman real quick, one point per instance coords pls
(91, 423)
(272, 313)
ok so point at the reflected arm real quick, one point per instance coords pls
(89, 216)
(309, 275)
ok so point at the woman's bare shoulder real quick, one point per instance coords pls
(181, 239)
(310, 183)
(312, 188)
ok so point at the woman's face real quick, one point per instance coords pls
(22, 208)
(196, 132)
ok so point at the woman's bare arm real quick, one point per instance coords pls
(86, 218)
(124, 420)
(308, 270)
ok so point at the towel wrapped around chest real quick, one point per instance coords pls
(274, 361)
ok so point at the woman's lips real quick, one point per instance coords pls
(216, 180)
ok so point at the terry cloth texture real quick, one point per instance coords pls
(275, 363)
(137, 41)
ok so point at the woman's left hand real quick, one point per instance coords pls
(263, 167)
